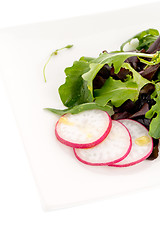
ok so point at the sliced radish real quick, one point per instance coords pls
(114, 147)
(83, 130)
(142, 144)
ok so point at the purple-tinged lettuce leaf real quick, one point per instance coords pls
(154, 114)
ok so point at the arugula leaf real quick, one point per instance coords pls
(117, 92)
(91, 74)
(82, 107)
(154, 114)
(117, 59)
(146, 38)
(75, 91)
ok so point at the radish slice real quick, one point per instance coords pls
(114, 147)
(142, 144)
(83, 130)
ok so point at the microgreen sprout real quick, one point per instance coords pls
(51, 55)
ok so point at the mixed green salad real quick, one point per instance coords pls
(125, 83)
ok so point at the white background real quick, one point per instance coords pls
(131, 216)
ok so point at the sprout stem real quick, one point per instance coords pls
(52, 54)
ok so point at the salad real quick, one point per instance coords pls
(125, 84)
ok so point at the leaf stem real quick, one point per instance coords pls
(147, 55)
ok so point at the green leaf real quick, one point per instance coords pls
(146, 41)
(116, 92)
(115, 59)
(75, 91)
(91, 74)
(154, 128)
(137, 78)
(81, 108)
(86, 59)
(154, 114)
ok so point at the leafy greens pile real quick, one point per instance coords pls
(126, 84)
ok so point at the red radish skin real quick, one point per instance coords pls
(89, 144)
(128, 149)
(121, 164)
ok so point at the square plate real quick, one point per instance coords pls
(62, 180)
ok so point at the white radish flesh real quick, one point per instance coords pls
(83, 130)
(142, 144)
(114, 147)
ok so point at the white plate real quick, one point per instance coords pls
(62, 180)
